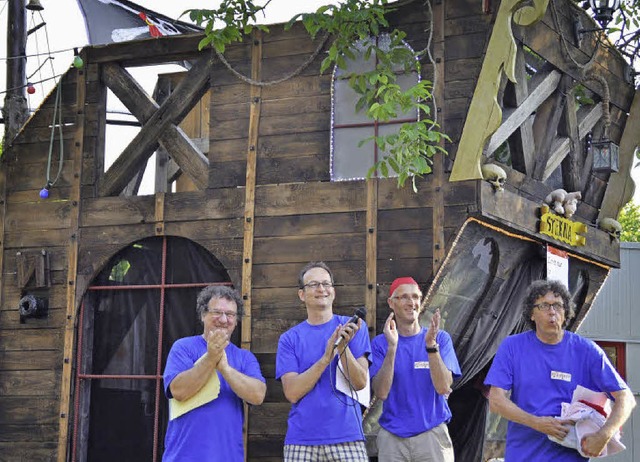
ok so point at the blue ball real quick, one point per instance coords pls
(44, 193)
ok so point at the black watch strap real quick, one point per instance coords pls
(435, 349)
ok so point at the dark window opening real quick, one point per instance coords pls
(135, 309)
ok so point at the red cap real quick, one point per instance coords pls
(398, 282)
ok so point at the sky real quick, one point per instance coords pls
(65, 30)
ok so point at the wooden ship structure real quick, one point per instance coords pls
(98, 281)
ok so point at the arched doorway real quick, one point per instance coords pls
(138, 305)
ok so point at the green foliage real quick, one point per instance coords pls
(229, 23)
(629, 218)
(351, 24)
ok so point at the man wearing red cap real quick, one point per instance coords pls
(412, 372)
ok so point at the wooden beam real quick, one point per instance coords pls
(250, 186)
(546, 123)
(72, 265)
(133, 186)
(3, 210)
(250, 203)
(176, 143)
(572, 162)
(588, 117)
(177, 105)
(438, 239)
(147, 51)
(371, 257)
(159, 213)
(546, 86)
(621, 186)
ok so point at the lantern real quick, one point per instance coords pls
(603, 10)
(605, 156)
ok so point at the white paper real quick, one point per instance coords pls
(362, 396)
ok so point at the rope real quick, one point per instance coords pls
(57, 112)
(565, 46)
(427, 51)
(259, 83)
(606, 115)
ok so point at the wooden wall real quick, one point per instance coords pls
(32, 357)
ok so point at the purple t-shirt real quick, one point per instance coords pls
(213, 431)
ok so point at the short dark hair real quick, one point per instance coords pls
(217, 291)
(541, 288)
(309, 266)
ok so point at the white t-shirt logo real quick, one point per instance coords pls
(555, 375)
(421, 365)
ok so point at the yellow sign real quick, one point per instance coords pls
(561, 228)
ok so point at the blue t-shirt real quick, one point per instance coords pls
(541, 377)
(324, 415)
(413, 405)
(213, 431)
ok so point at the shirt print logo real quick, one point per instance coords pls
(555, 375)
(421, 365)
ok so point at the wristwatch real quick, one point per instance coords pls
(433, 349)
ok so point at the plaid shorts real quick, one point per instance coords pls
(353, 451)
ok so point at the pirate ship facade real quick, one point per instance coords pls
(113, 275)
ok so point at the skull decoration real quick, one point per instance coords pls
(495, 175)
(612, 227)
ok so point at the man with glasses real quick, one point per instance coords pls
(206, 379)
(412, 372)
(542, 367)
(324, 424)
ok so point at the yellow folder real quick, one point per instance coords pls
(206, 394)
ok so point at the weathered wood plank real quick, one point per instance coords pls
(27, 433)
(30, 339)
(31, 176)
(307, 248)
(29, 360)
(29, 383)
(36, 411)
(315, 224)
(210, 204)
(221, 229)
(280, 275)
(36, 238)
(270, 419)
(38, 215)
(293, 199)
(546, 123)
(119, 210)
(146, 51)
(371, 252)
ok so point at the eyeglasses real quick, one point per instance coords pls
(557, 307)
(408, 298)
(218, 314)
(313, 285)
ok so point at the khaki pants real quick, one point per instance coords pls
(431, 446)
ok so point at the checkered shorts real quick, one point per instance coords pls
(353, 451)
